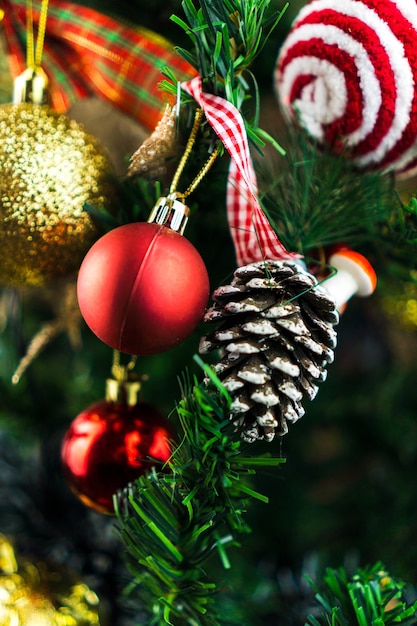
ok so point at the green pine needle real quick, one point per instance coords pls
(173, 523)
(315, 199)
(396, 247)
(226, 37)
(371, 597)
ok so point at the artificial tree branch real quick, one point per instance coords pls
(370, 597)
(226, 37)
(172, 522)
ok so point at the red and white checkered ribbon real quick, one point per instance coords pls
(252, 235)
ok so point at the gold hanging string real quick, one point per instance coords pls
(119, 371)
(207, 165)
(188, 149)
(34, 51)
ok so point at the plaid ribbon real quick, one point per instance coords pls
(87, 53)
(253, 237)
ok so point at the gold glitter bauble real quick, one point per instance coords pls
(32, 595)
(49, 169)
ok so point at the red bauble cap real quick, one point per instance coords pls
(142, 288)
(111, 444)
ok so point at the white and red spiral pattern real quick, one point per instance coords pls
(347, 72)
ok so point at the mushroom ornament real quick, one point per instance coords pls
(354, 276)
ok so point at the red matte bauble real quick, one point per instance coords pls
(142, 288)
(109, 445)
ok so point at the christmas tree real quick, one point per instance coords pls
(204, 420)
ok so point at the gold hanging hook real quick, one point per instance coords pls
(123, 388)
(119, 371)
(170, 210)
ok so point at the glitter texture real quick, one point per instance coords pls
(49, 169)
(32, 594)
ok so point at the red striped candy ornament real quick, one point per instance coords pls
(347, 72)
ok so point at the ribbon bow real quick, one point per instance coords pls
(86, 53)
(253, 237)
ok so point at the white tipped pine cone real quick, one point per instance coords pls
(276, 338)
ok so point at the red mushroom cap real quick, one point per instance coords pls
(358, 267)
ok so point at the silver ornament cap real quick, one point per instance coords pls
(170, 211)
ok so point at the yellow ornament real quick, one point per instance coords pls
(49, 169)
(31, 595)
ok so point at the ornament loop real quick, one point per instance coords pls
(119, 371)
(123, 388)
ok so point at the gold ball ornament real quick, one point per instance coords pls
(49, 169)
(32, 595)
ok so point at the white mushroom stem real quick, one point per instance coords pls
(355, 276)
(342, 286)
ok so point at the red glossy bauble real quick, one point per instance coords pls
(142, 288)
(109, 445)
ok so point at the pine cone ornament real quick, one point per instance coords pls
(276, 338)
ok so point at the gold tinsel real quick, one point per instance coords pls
(49, 169)
(67, 319)
(32, 595)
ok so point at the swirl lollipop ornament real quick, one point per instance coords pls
(347, 74)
